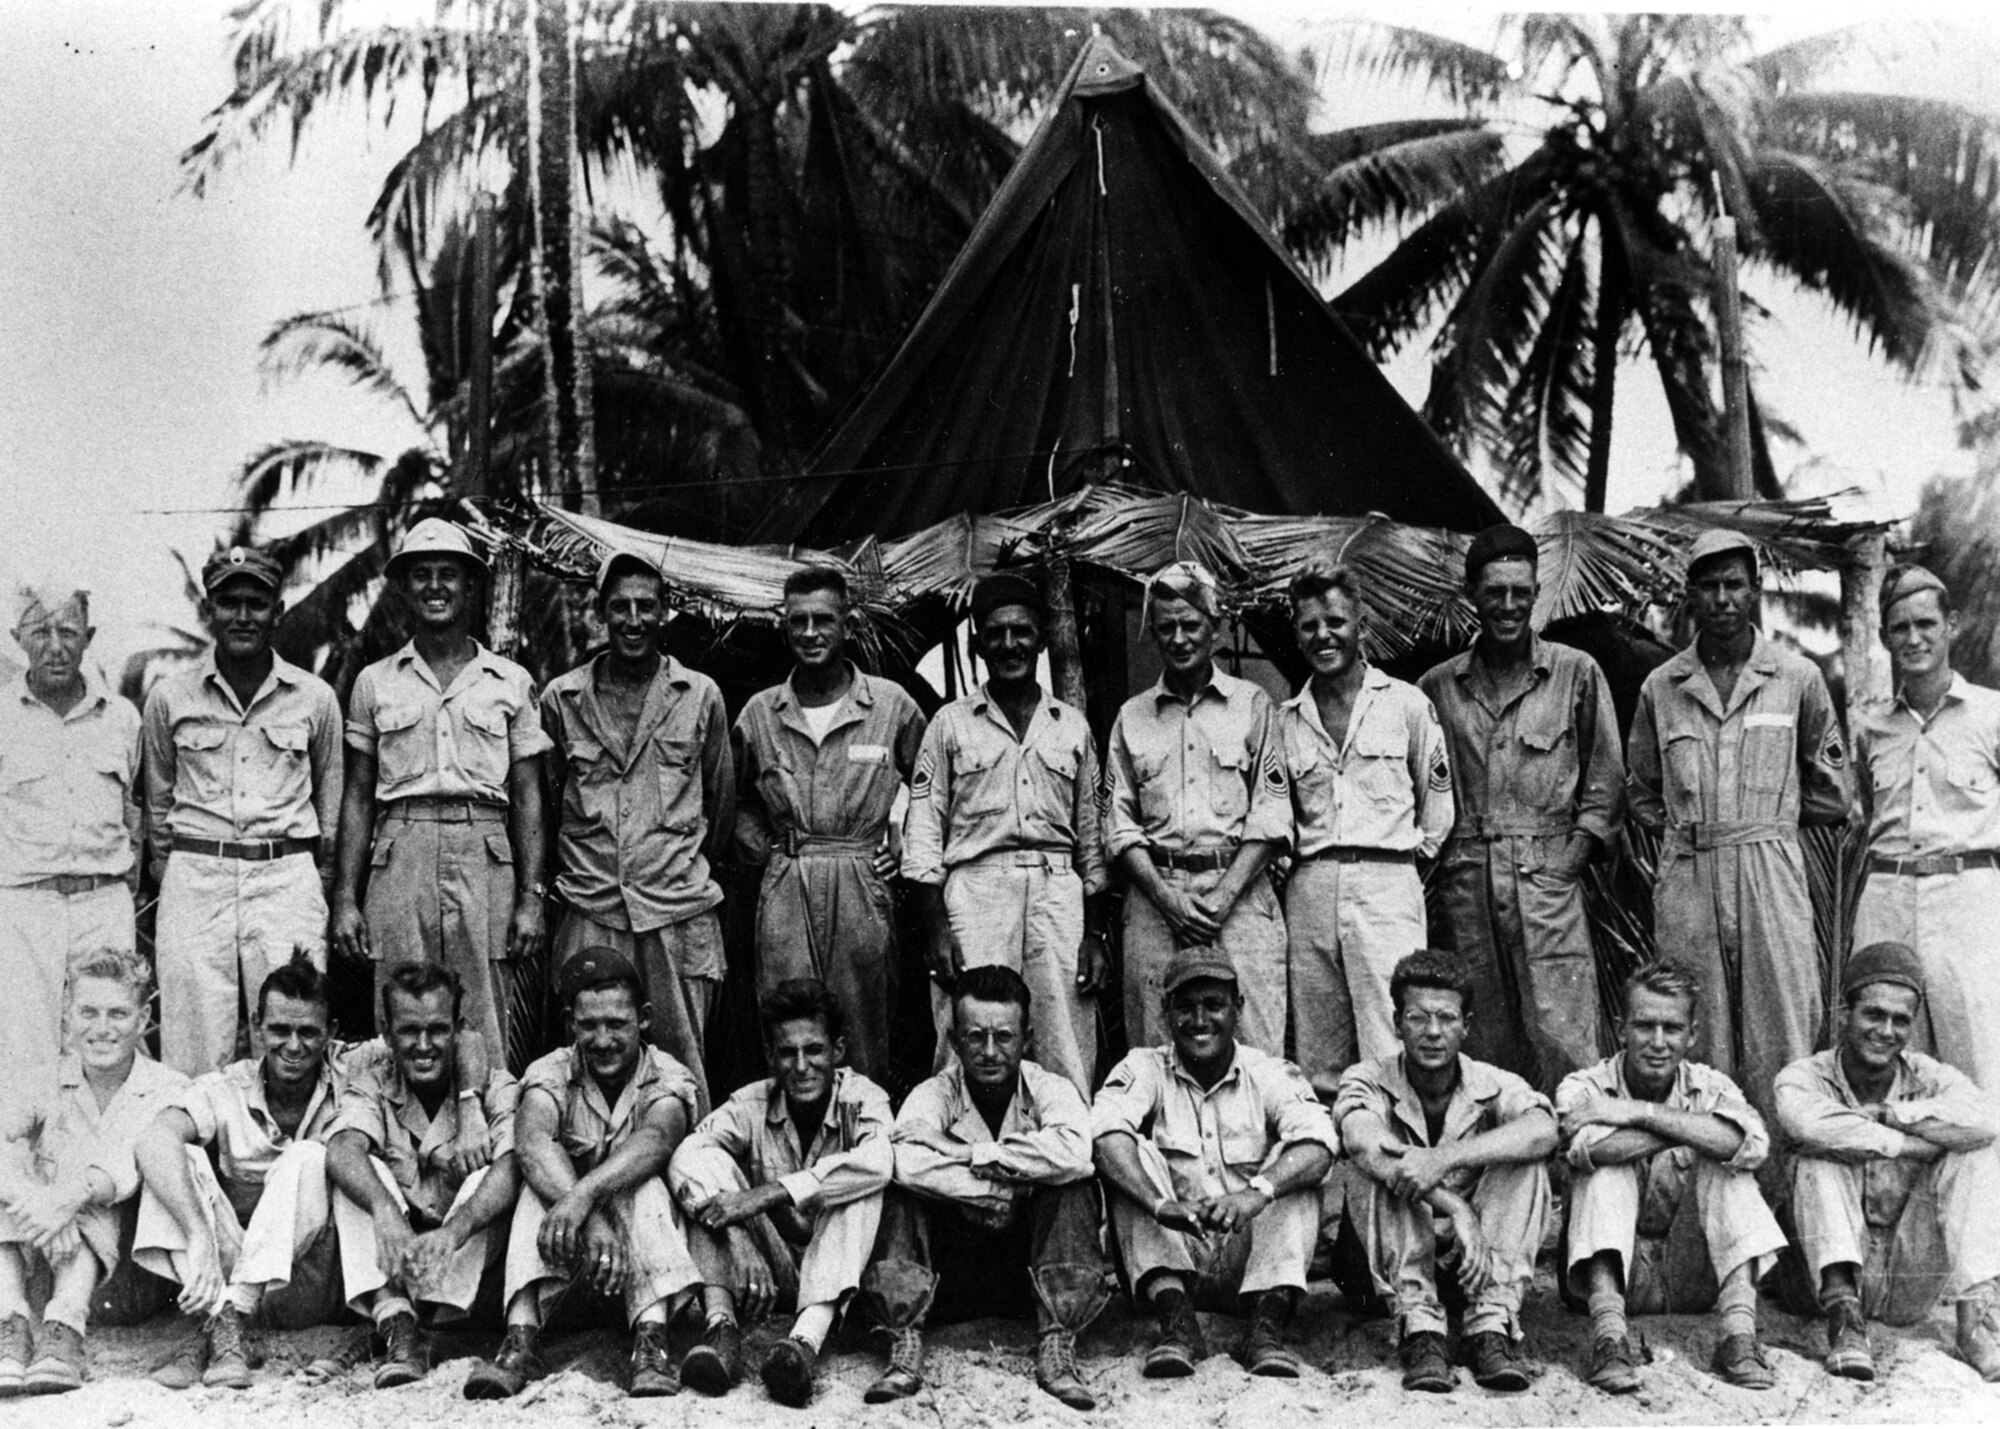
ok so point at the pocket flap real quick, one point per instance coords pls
(1236, 758)
(1173, 1145)
(499, 849)
(1375, 740)
(199, 736)
(292, 738)
(1545, 739)
(392, 718)
(583, 751)
(1244, 1149)
(487, 719)
(1062, 762)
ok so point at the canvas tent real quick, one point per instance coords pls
(1121, 313)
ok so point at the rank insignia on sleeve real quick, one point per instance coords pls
(1440, 774)
(920, 782)
(1832, 752)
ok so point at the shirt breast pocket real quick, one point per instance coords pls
(403, 750)
(1767, 750)
(1970, 782)
(201, 763)
(1244, 1151)
(1313, 786)
(1229, 783)
(980, 783)
(482, 752)
(1547, 775)
(680, 784)
(286, 754)
(1381, 765)
(1685, 762)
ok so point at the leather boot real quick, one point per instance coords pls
(898, 1294)
(1068, 1298)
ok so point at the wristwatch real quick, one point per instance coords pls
(1262, 1184)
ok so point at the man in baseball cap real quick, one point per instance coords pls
(1876, 1128)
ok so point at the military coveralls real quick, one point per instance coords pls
(242, 805)
(1189, 783)
(814, 814)
(1730, 785)
(1364, 807)
(441, 885)
(1529, 770)
(638, 823)
(1932, 792)
(1009, 828)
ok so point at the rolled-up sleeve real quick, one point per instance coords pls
(1430, 779)
(1124, 827)
(499, 1102)
(1269, 819)
(928, 1172)
(202, 1100)
(1820, 1124)
(1360, 1090)
(1084, 813)
(1293, 1113)
(1571, 1092)
(1129, 1097)
(361, 703)
(730, 1130)
(930, 807)
(864, 1164)
(360, 1109)
(1057, 1152)
(1721, 1097)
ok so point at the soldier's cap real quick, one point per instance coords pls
(1717, 541)
(1002, 589)
(1882, 962)
(1505, 542)
(624, 563)
(244, 563)
(435, 536)
(1190, 581)
(1904, 580)
(592, 968)
(1192, 964)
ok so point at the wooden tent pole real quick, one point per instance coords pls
(1862, 654)
(1065, 652)
(1735, 378)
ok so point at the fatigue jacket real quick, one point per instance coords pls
(65, 1133)
(1698, 1089)
(588, 1127)
(69, 785)
(1486, 1097)
(1195, 775)
(849, 1159)
(430, 742)
(1388, 786)
(379, 1105)
(1931, 786)
(1044, 1139)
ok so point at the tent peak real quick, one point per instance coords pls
(1102, 68)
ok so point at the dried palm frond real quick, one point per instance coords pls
(1592, 562)
(1790, 535)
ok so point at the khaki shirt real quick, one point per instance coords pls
(1771, 759)
(1546, 760)
(1195, 776)
(216, 770)
(849, 1160)
(1485, 1097)
(231, 1113)
(1044, 1139)
(379, 1105)
(1821, 1113)
(432, 743)
(588, 1128)
(69, 785)
(843, 786)
(67, 1134)
(1388, 787)
(1214, 1141)
(1931, 786)
(638, 817)
(1698, 1089)
(978, 790)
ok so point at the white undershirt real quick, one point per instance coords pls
(819, 720)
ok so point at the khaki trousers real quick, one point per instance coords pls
(646, 1222)
(1271, 1253)
(1348, 924)
(1951, 920)
(41, 933)
(1644, 1212)
(1512, 1203)
(457, 1284)
(829, 1265)
(1253, 936)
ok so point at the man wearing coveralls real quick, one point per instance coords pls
(69, 828)
(1928, 762)
(1894, 1172)
(243, 780)
(1539, 782)
(1001, 836)
(782, 1187)
(1734, 745)
(1370, 794)
(1452, 1154)
(819, 761)
(639, 773)
(442, 808)
(1197, 811)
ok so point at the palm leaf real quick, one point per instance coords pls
(312, 340)
(1545, 419)
(1589, 563)
(1387, 173)
(289, 467)
(1466, 74)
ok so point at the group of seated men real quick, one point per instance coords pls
(413, 1176)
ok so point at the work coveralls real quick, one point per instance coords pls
(1009, 829)
(1364, 807)
(814, 814)
(641, 817)
(1529, 770)
(1730, 785)
(441, 884)
(1511, 1200)
(835, 1186)
(1916, 1228)
(1189, 784)
(1679, 1222)
(242, 805)
(1932, 792)
(69, 833)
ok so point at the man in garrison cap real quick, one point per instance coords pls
(243, 785)
(1894, 1172)
(1928, 761)
(442, 811)
(1002, 840)
(1539, 789)
(1735, 745)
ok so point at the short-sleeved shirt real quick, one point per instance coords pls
(1214, 1140)
(590, 1128)
(978, 790)
(638, 813)
(231, 1113)
(379, 1105)
(1195, 775)
(850, 1157)
(218, 770)
(1486, 1097)
(69, 1134)
(432, 743)
(1044, 1138)
(1698, 1089)
(1388, 786)
(69, 785)
(1932, 785)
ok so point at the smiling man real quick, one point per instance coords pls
(243, 786)
(1930, 754)
(1894, 1173)
(639, 772)
(819, 762)
(782, 1186)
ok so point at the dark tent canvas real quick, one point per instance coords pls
(1121, 313)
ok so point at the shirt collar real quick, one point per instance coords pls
(1047, 704)
(1371, 679)
(1954, 693)
(96, 694)
(857, 690)
(1234, 1074)
(1538, 658)
(1215, 687)
(671, 670)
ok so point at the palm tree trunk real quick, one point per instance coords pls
(1611, 310)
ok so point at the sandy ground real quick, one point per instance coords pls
(981, 1376)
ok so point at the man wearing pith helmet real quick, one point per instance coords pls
(1929, 761)
(442, 811)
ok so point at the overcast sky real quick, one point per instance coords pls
(128, 383)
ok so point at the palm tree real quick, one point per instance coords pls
(1588, 244)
